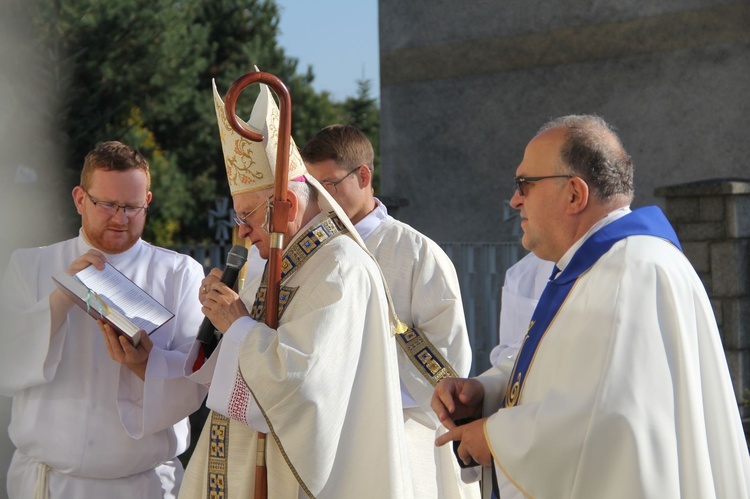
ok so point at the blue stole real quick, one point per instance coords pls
(648, 221)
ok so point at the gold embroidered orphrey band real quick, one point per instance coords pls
(295, 256)
(217, 457)
(425, 356)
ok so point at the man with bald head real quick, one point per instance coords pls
(621, 388)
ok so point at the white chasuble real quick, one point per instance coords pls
(524, 282)
(628, 393)
(324, 383)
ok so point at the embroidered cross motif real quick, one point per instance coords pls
(296, 254)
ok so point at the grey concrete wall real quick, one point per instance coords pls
(465, 85)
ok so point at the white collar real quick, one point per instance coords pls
(611, 217)
(372, 220)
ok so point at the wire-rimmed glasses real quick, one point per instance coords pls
(331, 186)
(112, 208)
(242, 220)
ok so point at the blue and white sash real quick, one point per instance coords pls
(648, 221)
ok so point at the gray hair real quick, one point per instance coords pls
(593, 151)
(305, 193)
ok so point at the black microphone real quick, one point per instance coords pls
(235, 260)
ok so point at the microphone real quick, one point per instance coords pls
(235, 260)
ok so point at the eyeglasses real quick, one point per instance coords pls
(331, 186)
(242, 220)
(113, 208)
(520, 181)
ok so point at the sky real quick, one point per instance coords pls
(338, 38)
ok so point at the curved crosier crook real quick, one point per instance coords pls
(280, 207)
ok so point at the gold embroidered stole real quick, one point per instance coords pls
(425, 356)
(295, 256)
(217, 456)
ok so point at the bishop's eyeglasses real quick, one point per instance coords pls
(522, 181)
(112, 208)
(242, 220)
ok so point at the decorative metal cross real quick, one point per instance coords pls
(222, 218)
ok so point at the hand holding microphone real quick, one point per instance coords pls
(223, 303)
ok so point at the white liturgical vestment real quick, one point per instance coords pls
(524, 283)
(425, 291)
(324, 384)
(84, 425)
(628, 394)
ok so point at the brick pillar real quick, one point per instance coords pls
(712, 220)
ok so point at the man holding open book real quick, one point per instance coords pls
(94, 415)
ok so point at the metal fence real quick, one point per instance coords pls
(481, 270)
(210, 256)
(480, 267)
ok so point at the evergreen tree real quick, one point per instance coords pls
(126, 71)
(363, 113)
(140, 71)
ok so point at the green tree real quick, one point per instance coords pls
(126, 69)
(242, 36)
(140, 71)
(362, 112)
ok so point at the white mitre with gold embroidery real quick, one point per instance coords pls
(251, 165)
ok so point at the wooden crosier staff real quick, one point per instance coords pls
(280, 207)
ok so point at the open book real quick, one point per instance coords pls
(108, 295)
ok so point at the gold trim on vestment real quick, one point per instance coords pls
(281, 447)
(514, 388)
(218, 451)
(425, 356)
(295, 256)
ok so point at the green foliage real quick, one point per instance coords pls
(140, 71)
(363, 113)
(169, 185)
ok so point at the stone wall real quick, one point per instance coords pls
(465, 86)
(712, 220)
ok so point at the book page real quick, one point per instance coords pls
(121, 294)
